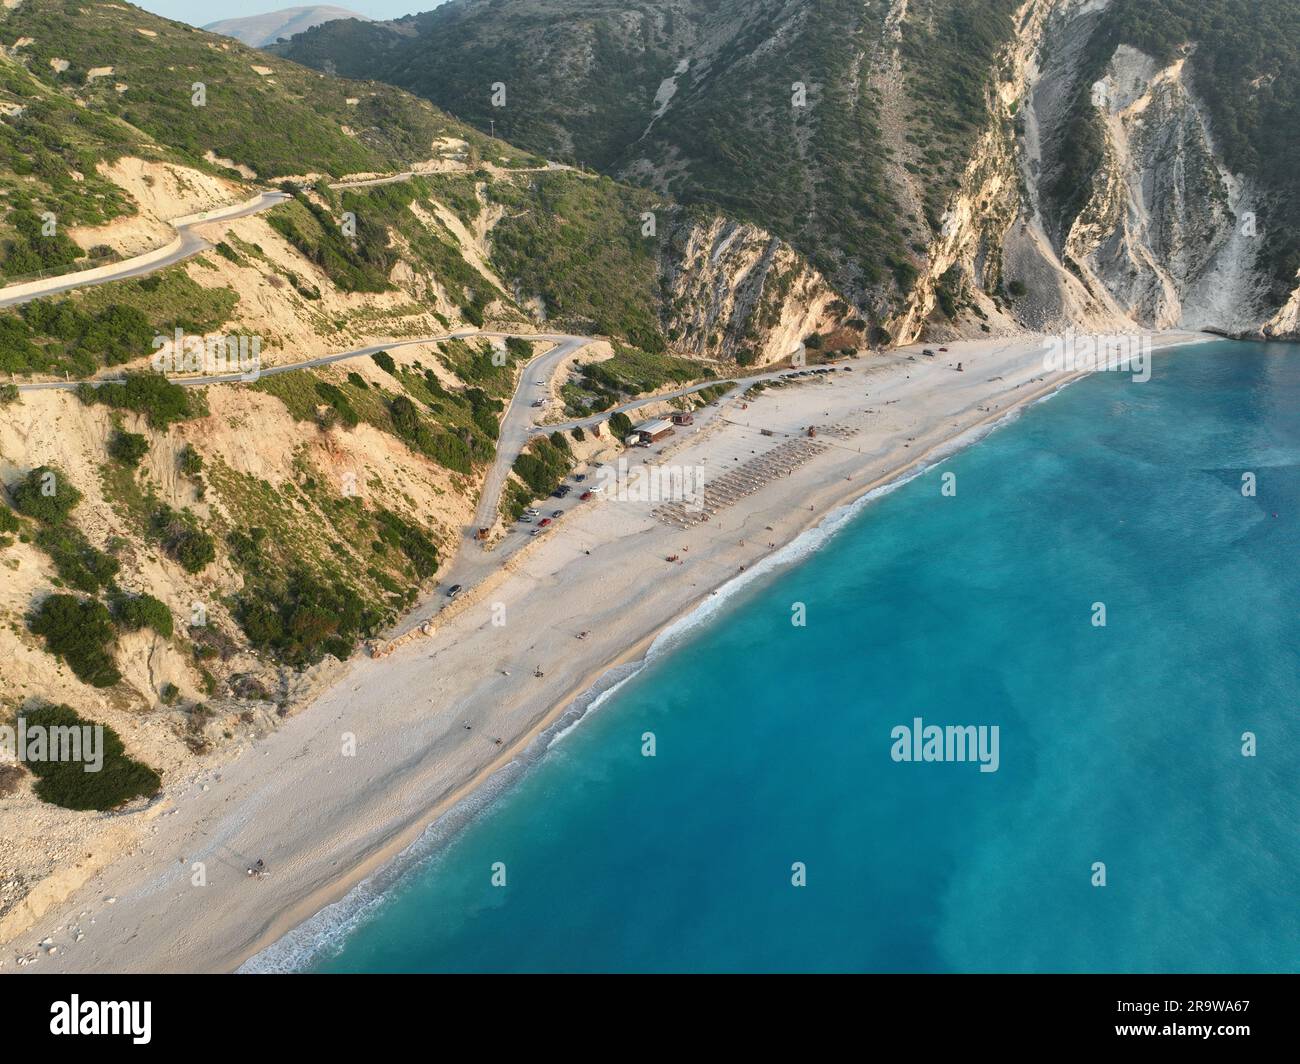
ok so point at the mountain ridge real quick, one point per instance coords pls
(695, 98)
(259, 30)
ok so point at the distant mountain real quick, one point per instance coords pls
(950, 165)
(259, 30)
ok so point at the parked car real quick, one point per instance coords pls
(929, 352)
(543, 522)
(585, 496)
(538, 402)
(557, 513)
(580, 477)
(454, 590)
(535, 532)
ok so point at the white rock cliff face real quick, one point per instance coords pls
(1169, 237)
(1168, 232)
(736, 290)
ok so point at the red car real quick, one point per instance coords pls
(543, 522)
(585, 496)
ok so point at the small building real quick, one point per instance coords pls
(649, 432)
(684, 417)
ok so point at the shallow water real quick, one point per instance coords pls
(1119, 744)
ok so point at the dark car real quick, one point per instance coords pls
(454, 590)
(557, 513)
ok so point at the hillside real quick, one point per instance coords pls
(258, 30)
(208, 555)
(935, 139)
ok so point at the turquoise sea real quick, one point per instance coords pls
(1120, 744)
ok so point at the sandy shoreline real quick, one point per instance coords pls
(427, 720)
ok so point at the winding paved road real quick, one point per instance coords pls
(187, 244)
(518, 425)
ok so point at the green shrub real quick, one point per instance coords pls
(301, 618)
(410, 540)
(133, 612)
(182, 539)
(544, 464)
(150, 394)
(68, 783)
(78, 563)
(338, 403)
(9, 394)
(190, 461)
(620, 425)
(45, 494)
(78, 630)
(384, 361)
(128, 448)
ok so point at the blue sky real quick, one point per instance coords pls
(203, 12)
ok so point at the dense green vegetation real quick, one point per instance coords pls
(358, 263)
(541, 467)
(229, 116)
(181, 537)
(455, 428)
(620, 425)
(67, 783)
(360, 257)
(45, 494)
(629, 374)
(160, 401)
(133, 612)
(78, 630)
(736, 142)
(576, 242)
(79, 564)
(49, 336)
(128, 448)
(32, 250)
(301, 618)
(949, 52)
(108, 325)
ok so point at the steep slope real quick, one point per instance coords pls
(208, 554)
(1171, 199)
(770, 111)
